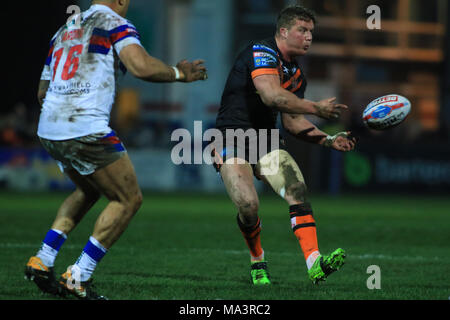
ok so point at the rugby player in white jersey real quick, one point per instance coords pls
(76, 92)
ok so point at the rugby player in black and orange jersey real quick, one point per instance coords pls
(266, 80)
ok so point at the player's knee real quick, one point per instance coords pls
(137, 202)
(134, 202)
(90, 196)
(297, 191)
(130, 201)
(248, 207)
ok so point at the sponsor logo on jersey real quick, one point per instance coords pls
(263, 59)
(72, 35)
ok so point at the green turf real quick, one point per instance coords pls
(188, 246)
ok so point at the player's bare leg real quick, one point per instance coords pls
(238, 180)
(287, 180)
(118, 182)
(289, 183)
(40, 267)
(77, 204)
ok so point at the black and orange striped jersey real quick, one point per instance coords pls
(241, 106)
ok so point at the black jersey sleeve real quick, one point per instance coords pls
(264, 61)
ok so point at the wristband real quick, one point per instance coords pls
(330, 139)
(177, 73)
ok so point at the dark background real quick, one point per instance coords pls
(28, 38)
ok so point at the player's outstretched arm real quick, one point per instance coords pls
(273, 95)
(303, 129)
(143, 66)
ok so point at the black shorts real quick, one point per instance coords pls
(245, 144)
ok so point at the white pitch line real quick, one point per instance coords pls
(30, 246)
(233, 252)
(351, 256)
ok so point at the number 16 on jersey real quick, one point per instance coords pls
(71, 64)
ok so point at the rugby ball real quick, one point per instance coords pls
(386, 112)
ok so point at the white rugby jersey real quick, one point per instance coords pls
(83, 67)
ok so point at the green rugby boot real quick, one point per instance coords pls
(326, 265)
(259, 273)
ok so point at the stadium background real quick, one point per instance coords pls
(347, 60)
(409, 55)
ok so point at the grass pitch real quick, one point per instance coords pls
(188, 247)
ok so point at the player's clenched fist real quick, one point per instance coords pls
(328, 109)
(192, 71)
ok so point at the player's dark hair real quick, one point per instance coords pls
(288, 15)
